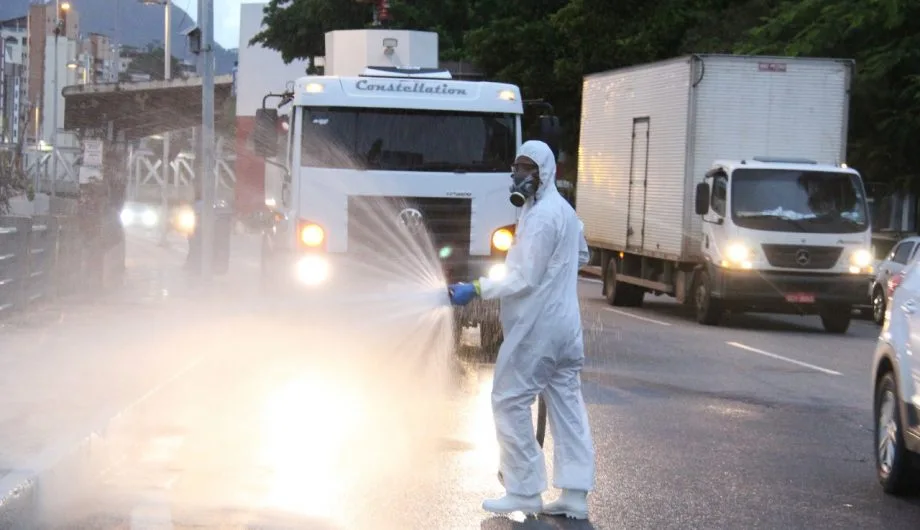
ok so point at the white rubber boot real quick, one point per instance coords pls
(572, 504)
(511, 503)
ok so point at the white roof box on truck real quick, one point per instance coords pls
(350, 51)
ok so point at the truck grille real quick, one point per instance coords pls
(801, 256)
(392, 226)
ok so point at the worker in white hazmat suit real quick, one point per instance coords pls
(543, 351)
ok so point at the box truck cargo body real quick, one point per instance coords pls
(764, 138)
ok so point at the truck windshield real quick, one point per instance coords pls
(782, 200)
(407, 140)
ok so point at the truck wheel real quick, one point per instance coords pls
(837, 320)
(708, 309)
(457, 332)
(267, 272)
(490, 340)
(620, 293)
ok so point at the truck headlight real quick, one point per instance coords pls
(312, 235)
(186, 221)
(502, 239)
(312, 270)
(860, 260)
(738, 255)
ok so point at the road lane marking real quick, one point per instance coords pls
(637, 317)
(781, 358)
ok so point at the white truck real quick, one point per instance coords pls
(393, 148)
(720, 180)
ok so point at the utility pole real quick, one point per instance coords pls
(206, 20)
(58, 6)
(167, 76)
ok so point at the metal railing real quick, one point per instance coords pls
(40, 259)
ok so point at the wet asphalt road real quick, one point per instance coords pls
(314, 422)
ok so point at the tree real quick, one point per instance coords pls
(297, 28)
(548, 47)
(883, 36)
(14, 180)
(152, 63)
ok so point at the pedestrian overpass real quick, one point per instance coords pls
(122, 114)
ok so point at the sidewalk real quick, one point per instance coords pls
(70, 366)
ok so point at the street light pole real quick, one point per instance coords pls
(54, 106)
(167, 76)
(207, 137)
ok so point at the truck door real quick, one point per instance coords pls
(638, 182)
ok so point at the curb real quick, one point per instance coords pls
(72, 464)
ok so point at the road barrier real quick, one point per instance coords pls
(40, 259)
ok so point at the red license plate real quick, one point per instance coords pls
(800, 298)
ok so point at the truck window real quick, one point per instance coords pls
(407, 140)
(719, 195)
(793, 200)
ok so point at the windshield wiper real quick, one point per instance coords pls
(831, 217)
(760, 216)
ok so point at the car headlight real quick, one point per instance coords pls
(498, 271)
(312, 270)
(127, 217)
(150, 218)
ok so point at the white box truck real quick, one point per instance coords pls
(720, 180)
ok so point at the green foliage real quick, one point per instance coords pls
(547, 48)
(297, 28)
(152, 63)
(14, 181)
(883, 36)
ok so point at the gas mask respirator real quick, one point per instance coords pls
(523, 187)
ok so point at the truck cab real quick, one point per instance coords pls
(389, 168)
(782, 235)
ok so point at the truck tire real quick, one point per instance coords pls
(267, 272)
(837, 320)
(620, 293)
(457, 336)
(709, 310)
(491, 337)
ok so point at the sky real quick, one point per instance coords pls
(226, 18)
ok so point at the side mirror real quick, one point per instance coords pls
(550, 131)
(702, 198)
(265, 133)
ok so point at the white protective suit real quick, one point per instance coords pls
(543, 350)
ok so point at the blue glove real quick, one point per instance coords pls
(463, 293)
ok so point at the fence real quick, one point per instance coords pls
(40, 259)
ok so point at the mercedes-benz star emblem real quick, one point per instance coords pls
(802, 257)
(412, 219)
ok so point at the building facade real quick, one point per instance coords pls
(13, 78)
